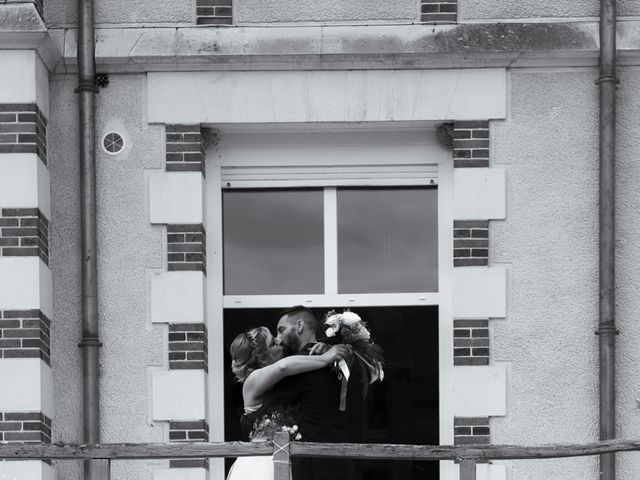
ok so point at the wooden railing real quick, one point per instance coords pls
(282, 451)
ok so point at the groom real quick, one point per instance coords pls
(317, 397)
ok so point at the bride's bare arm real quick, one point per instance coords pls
(263, 379)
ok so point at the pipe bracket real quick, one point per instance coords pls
(86, 87)
(90, 342)
(608, 78)
(605, 330)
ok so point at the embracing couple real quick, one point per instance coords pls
(289, 381)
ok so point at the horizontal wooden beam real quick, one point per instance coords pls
(133, 451)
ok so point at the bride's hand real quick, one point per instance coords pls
(336, 353)
(319, 348)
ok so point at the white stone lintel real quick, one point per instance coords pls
(479, 391)
(326, 96)
(177, 297)
(28, 386)
(178, 395)
(176, 197)
(479, 193)
(479, 292)
(24, 182)
(25, 284)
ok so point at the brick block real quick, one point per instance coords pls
(25, 334)
(19, 427)
(28, 126)
(192, 431)
(186, 247)
(24, 232)
(213, 21)
(184, 143)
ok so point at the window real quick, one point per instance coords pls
(330, 241)
(295, 218)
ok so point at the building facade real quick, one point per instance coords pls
(431, 165)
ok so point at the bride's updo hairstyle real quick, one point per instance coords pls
(250, 351)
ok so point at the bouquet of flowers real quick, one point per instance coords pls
(347, 327)
(278, 420)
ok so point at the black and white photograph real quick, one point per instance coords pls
(319, 240)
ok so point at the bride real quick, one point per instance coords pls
(258, 363)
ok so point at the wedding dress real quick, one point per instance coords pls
(252, 468)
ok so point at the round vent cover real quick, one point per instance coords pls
(112, 143)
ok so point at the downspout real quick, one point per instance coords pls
(607, 82)
(90, 343)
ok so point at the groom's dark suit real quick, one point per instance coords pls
(316, 394)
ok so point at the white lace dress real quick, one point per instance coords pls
(252, 468)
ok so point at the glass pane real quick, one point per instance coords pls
(388, 240)
(273, 242)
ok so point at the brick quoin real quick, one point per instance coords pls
(25, 334)
(24, 232)
(471, 430)
(186, 247)
(470, 243)
(184, 148)
(25, 427)
(471, 342)
(189, 431)
(471, 144)
(188, 346)
(23, 129)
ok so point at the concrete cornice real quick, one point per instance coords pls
(22, 27)
(348, 47)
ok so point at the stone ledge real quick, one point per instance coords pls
(349, 47)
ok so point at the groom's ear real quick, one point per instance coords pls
(299, 326)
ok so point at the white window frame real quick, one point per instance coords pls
(248, 168)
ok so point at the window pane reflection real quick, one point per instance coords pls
(273, 242)
(387, 240)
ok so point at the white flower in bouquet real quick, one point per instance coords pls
(349, 318)
(333, 325)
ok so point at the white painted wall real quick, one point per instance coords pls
(23, 79)
(326, 96)
(549, 241)
(274, 11)
(507, 9)
(129, 249)
(60, 13)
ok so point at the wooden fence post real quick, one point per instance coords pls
(281, 459)
(468, 469)
(101, 469)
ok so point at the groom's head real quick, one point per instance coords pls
(296, 327)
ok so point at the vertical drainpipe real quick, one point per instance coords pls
(607, 82)
(90, 343)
